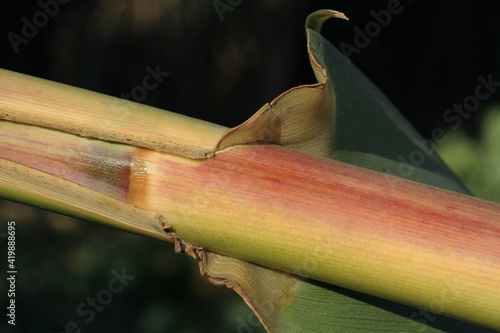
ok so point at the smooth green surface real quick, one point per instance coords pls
(370, 132)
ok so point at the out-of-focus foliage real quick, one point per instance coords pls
(476, 161)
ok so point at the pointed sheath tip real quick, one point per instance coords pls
(315, 20)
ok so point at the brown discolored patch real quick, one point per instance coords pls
(100, 166)
(108, 170)
(138, 178)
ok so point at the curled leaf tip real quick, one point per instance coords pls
(315, 20)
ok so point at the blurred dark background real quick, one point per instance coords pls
(220, 70)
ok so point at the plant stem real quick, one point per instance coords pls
(315, 217)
